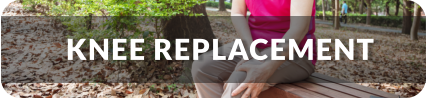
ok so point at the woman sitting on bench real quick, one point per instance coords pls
(269, 19)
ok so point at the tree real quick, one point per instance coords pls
(361, 7)
(189, 27)
(336, 15)
(406, 21)
(387, 8)
(369, 12)
(323, 10)
(416, 22)
(182, 26)
(222, 5)
(333, 6)
(351, 5)
(397, 7)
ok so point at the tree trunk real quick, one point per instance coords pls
(231, 1)
(397, 7)
(333, 6)
(336, 17)
(188, 27)
(407, 23)
(416, 22)
(323, 10)
(222, 5)
(387, 8)
(361, 7)
(369, 12)
(89, 21)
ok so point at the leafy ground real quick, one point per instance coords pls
(392, 57)
(392, 54)
(42, 51)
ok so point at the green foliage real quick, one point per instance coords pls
(216, 4)
(327, 13)
(120, 9)
(170, 87)
(115, 7)
(123, 22)
(386, 21)
(212, 4)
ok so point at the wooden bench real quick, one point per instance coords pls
(322, 86)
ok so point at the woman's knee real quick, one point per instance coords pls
(200, 66)
(237, 77)
(196, 65)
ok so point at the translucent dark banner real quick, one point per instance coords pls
(35, 50)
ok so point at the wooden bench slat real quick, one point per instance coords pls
(341, 88)
(328, 78)
(322, 86)
(300, 91)
(324, 90)
(328, 81)
(275, 92)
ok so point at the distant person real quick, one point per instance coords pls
(344, 12)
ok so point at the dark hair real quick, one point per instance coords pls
(344, 1)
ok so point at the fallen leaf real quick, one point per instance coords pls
(178, 65)
(7, 30)
(58, 45)
(113, 92)
(86, 84)
(109, 68)
(37, 85)
(55, 91)
(6, 48)
(144, 91)
(49, 96)
(184, 93)
(37, 96)
(128, 92)
(167, 77)
(59, 85)
(58, 59)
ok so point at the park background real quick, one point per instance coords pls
(399, 51)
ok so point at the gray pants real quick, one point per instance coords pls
(209, 75)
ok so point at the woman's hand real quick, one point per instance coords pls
(253, 89)
(257, 74)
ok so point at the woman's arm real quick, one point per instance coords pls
(238, 17)
(301, 12)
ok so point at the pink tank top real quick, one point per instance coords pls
(269, 19)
